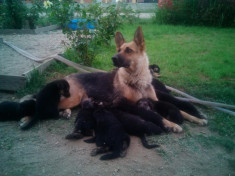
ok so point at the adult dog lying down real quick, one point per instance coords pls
(132, 80)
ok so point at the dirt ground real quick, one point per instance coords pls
(43, 150)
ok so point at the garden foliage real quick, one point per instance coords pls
(197, 12)
(14, 14)
(106, 19)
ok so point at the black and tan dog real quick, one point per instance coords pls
(131, 80)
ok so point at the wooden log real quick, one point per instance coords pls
(208, 103)
(191, 97)
(70, 63)
(12, 83)
(24, 53)
(40, 68)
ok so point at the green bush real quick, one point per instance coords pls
(33, 13)
(198, 12)
(106, 21)
(61, 11)
(13, 13)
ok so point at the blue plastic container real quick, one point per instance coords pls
(74, 24)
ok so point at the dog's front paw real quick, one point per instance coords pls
(202, 122)
(66, 113)
(177, 129)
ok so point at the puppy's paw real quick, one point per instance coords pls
(202, 122)
(177, 129)
(66, 113)
(24, 121)
(94, 152)
(74, 136)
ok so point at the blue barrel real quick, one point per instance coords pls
(74, 24)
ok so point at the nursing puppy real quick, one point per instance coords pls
(14, 111)
(109, 135)
(84, 123)
(47, 101)
(134, 125)
(165, 109)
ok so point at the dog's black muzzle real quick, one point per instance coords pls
(120, 61)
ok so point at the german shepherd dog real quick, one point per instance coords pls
(131, 80)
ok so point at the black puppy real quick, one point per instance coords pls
(47, 101)
(184, 106)
(148, 115)
(154, 69)
(14, 111)
(134, 125)
(165, 109)
(109, 135)
(84, 123)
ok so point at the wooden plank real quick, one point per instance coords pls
(40, 68)
(17, 31)
(29, 31)
(12, 83)
(47, 28)
(70, 63)
(23, 53)
(79, 67)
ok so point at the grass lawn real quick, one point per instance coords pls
(197, 60)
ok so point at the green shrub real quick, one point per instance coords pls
(14, 14)
(198, 12)
(33, 13)
(61, 10)
(106, 21)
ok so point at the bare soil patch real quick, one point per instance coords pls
(43, 150)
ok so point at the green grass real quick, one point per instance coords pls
(55, 71)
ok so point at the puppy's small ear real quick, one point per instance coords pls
(139, 39)
(119, 40)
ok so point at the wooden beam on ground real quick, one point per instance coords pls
(208, 103)
(39, 68)
(193, 98)
(12, 83)
(70, 63)
(24, 53)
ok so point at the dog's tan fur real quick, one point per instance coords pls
(132, 82)
(135, 81)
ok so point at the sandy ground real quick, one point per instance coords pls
(13, 63)
(40, 45)
(43, 150)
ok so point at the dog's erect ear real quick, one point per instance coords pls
(119, 40)
(139, 39)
